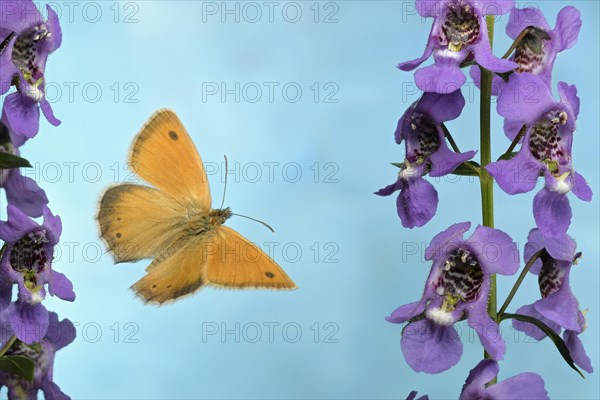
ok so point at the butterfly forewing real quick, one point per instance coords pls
(138, 222)
(164, 155)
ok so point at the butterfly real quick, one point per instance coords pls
(173, 222)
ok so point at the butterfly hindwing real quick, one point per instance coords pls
(236, 263)
(164, 155)
(178, 273)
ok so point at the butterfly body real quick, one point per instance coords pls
(174, 224)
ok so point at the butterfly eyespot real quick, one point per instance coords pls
(269, 275)
(153, 286)
(169, 286)
(173, 135)
(118, 235)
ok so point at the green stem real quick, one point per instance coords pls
(8, 345)
(487, 184)
(513, 291)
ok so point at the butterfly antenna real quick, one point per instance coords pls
(257, 220)
(225, 188)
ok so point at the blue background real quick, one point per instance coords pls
(165, 59)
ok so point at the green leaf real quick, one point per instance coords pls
(556, 339)
(399, 165)
(8, 160)
(18, 365)
(468, 168)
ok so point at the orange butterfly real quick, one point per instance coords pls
(174, 224)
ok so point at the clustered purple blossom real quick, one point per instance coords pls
(459, 281)
(27, 253)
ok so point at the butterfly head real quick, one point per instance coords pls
(219, 216)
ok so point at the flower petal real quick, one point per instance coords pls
(29, 321)
(496, 251)
(441, 107)
(524, 18)
(535, 242)
(561, 306)
(569, 98)
(48, 113)
(497, 82)
(23, 114)
(406, 312)
(53, 392)
(60, 333)
(417, 203)
(525, 386)
(445, 76)
(530, 329)
(17, 225)
(24, 193)
(517, 175)
(431, 348)
(53, 24)
(61, 287)
(7, 69)
(444, 161)
(478, 377)
(524, 98)
(488, 331)
(568, 25)
(512, 129)
(445, 240)
(20, 15)
(552, 213)
(581, 188)
(53, 226)
(485, 57)
(494, 7)
(577, 351)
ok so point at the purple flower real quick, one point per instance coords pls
(537, 51)
(59, 335)
(27, 261)
(524, 386)
(546, 149)
(459, 33)
(558, 308)
(24, 59)
(457, 288)
(22, 192)
(426, 152)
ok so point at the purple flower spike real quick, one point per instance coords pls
(457, 288)
(546, 148)
(426, 152)
(27, 261)
(459, 33)
(24, 59)
(59, 335)
(558, 308)
(22, 192)
(525, 386)
(537, 51)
